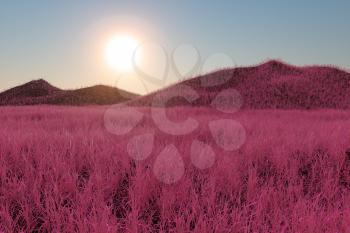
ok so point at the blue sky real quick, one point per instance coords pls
(62, 41)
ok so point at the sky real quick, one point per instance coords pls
(64, 41)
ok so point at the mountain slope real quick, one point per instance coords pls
(41, 92)
(273, 84)
(99, 95)
(28, 92)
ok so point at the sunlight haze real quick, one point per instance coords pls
(65, 42)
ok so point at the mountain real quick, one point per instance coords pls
(99, 95)
(270, 85)
(30, 92)
(273, 85)
(41, 92)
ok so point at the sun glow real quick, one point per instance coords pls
(120, 52)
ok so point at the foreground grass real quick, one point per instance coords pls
(61, 171)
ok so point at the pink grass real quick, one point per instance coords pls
(61, 171)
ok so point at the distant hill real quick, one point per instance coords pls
(273, 84)
(41, 92)
(270, 85)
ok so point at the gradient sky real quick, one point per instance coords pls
(63, 41)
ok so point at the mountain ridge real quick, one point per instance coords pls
(270, 85)
(40, 91)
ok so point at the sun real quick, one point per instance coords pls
(120, 52)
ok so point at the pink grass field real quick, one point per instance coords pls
(61, 171)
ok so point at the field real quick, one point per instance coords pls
(62, 171)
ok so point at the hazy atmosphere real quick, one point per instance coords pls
(64, 42)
